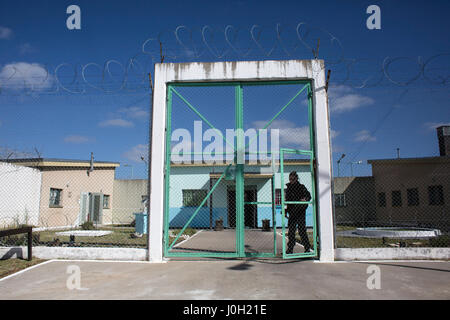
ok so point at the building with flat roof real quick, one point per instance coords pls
(413, 191)
(73, 191)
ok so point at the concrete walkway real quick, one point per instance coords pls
(229, 279)
(255, 240)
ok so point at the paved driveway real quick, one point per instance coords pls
(228, 279)
(255, 240)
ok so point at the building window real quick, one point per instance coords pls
(381, 199)
(193, 198)
(339, 200)
(278, 197)
(413, 197)
(396, 198)
(435, 195)
(106, 201)
(55, 197)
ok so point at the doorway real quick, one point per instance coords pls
(91, 207)
(250, 210)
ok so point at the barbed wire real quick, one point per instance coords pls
(207, 44)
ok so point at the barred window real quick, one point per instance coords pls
(396, 198)
(413, 197)
(277, 197)
(55, 197)
(193, 198)
(339, 200)
(381, 199)
(435, 195)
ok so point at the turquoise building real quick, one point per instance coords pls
(189, 184)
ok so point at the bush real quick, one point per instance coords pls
(88, 225)
(14, 240)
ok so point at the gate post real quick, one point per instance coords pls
(323, 171)
(156, 207)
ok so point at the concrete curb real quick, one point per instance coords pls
(134, 254)
(352, 254)
(119, 254)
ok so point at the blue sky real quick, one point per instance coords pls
(367, 123)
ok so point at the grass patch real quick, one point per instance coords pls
(442, 241)
(174, 232)
(121, 236)
(11, 266)
(360, 242)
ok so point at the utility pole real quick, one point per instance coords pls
(339, 162)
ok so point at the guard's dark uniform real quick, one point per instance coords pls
(297, 214)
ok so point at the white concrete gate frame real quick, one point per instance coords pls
(312, 70)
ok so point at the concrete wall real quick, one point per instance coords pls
(128, 199)
(73, 182)
(360, 200)
(19, 195)
(400, 176)
(116, 254)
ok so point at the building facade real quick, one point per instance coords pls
(129, 197)
(413, 191)
(354, 201)
(73, 191)
(190, 183)
(19, 195)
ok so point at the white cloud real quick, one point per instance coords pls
(136, 152)
(343, 98)
(434, 125)
(116, 123)
(334, 133)
(337, 148)
(26, 48)
(5, 33)
(135, 112)
(290, 133)
(364, 135)
(76, 139)
(21, 75)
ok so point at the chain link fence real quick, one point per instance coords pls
(98, 199)
(80, 187)
(397, 201)
(101, 200)
(405, 203)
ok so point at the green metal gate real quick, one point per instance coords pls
(226, 200)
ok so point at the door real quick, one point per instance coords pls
(250, 212)
(298, 213)
(231, 207)
(84, 208)
(208, 174)
(96, 207)
(199, 169)
(275, 116)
